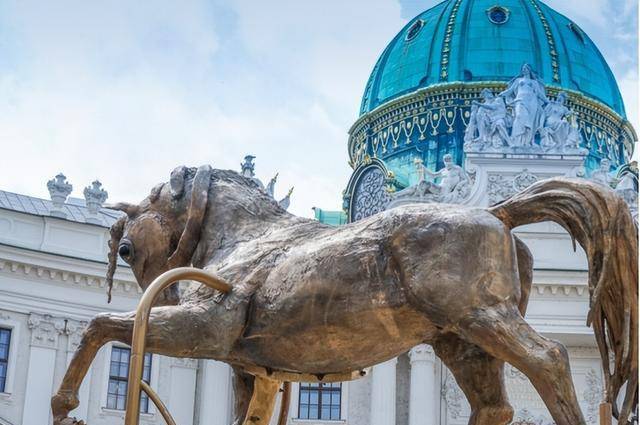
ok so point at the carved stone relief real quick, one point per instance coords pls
(45, 330)
(74, 331)
(501, 186)
(592, 395)
(453, 397)
(525, 417)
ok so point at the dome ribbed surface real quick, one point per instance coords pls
(456, 40)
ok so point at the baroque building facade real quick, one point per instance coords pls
(469, 103)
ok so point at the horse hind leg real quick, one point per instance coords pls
(262, 401)
(501, 331)
(480, 376)
(243, 385)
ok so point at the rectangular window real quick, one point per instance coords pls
(5, 341)
(118, 375)
(320, 401)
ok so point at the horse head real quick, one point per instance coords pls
(162, 232)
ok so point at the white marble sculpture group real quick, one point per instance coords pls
(508, 124)
(453, 187)
(511, 120)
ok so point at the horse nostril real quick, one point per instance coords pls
(124, 251)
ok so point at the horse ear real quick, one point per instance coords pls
(191, 234)
(176, 181)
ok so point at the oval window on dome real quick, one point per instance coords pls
(414, 30)
(498, 15)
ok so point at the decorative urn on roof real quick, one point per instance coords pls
(59, 190)
(95, 196)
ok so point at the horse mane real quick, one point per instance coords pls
(246, 193)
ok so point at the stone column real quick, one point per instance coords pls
(383, 393)
(182, 396)
(422, 395)
(42, 361)
(74, 333)
(215, 395)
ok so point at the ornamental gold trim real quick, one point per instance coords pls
(555, 65)
(446, 44)
(421, 110)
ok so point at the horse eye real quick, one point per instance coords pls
(125, 250)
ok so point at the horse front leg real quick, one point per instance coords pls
(103, 328)
(167, 334)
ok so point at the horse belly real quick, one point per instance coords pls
(338, 307)
(344, 342)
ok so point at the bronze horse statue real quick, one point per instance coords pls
(309, 299)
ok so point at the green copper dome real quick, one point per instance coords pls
(489, 40)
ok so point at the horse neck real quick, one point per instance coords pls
(232, 221)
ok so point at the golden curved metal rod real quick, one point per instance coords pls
(141, 322)
(159, 404)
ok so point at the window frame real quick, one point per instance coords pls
(294, 409)
(3, 385)
(7, 322)
(144, 402)
(104, 393)
(502, 9)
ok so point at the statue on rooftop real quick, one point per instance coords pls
(557, 132)
(304, 301)
(248, 170)
(511, 121)
(602, 174)
(271, 187)
(491, 122)
(526, 95)
(453, 186)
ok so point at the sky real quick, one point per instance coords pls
(125, 91)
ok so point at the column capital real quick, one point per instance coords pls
(45, 330)
(75, 329)
(422, 353)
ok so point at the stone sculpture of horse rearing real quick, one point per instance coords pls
(308, 298)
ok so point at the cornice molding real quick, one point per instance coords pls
(560, 289)
(84, 280)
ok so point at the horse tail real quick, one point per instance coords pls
(601, 222)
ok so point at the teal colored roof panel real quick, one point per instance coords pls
(457, 41)
(332, 218)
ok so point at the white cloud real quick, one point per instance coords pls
(125, 91)
(613, 26)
